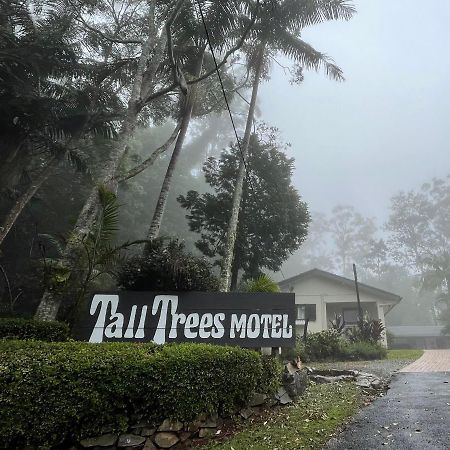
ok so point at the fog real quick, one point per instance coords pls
(387, 127)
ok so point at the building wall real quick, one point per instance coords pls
(322, 292)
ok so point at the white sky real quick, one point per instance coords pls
(385, 129)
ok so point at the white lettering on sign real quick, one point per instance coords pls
(111, 323)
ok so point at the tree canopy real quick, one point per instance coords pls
(273, 220)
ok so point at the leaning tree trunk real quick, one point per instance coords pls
(49, 306)
(23, 200)
(155, 225)
(225, 273)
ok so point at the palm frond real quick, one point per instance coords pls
(306, 55)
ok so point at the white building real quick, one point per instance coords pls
(320, 295)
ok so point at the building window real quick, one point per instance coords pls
(350, 316)
(306, 312)
(301, 312)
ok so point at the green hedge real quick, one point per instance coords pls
(57, 393)
(15, 328)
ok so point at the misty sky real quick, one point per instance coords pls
(385, 129)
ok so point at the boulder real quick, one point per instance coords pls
(206, 432)
(148, 431)
(283, 397)
(257, 399)
(106, 440)
(149, 445)
(166, 439)
(295, 382)
(130, 440)
(171, 425)
(246, 413)
(209, 421)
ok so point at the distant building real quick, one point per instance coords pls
(417, 336)
(320, 295)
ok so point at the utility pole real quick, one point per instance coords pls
(360, 315)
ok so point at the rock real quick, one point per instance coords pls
(184, 435)
(377, 384)
(246, 413)
(283, 397)
(166, 439)
(149, 445)
(257, 399)
(206, 432)
(271, 402)
(106, 440)
(193, 427)
(210, 421)
(147, 431)
(130, 440)
(170, 425)
(295, 382)
(363, 382)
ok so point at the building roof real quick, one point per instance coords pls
(389, 296)
(416, 330)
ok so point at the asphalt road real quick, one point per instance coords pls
(413, 415)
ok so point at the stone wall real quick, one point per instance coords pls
(172, 434)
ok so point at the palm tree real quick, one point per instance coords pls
(41, 109)
(152, 69)
(278, 30)
(222, 25)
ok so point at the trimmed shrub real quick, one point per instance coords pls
(53, 394)
(16, 328)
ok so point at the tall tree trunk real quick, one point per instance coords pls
(23, 200)
(49, 306)
(225, 273)
(155, 225)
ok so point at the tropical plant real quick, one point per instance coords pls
(261, 284)
(50, 101)
(98, 256)
(216, 24)
(278, 30)
(167, 267)
(338, 323)
(367, 330)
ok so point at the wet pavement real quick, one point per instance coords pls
(413, 415)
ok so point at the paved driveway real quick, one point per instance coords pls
(431, 361)
(413, 415)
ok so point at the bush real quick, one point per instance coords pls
(167, 268)
(57, 393)
(328, 345)
(15, 328)
(322, 345)
(362, 351)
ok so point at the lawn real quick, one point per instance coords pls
(307, 424)
(404, 354)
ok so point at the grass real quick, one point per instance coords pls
(404, 354)
(308, 424)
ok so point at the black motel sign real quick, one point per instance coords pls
(247, 320)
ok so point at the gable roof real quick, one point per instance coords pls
(386, 295)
